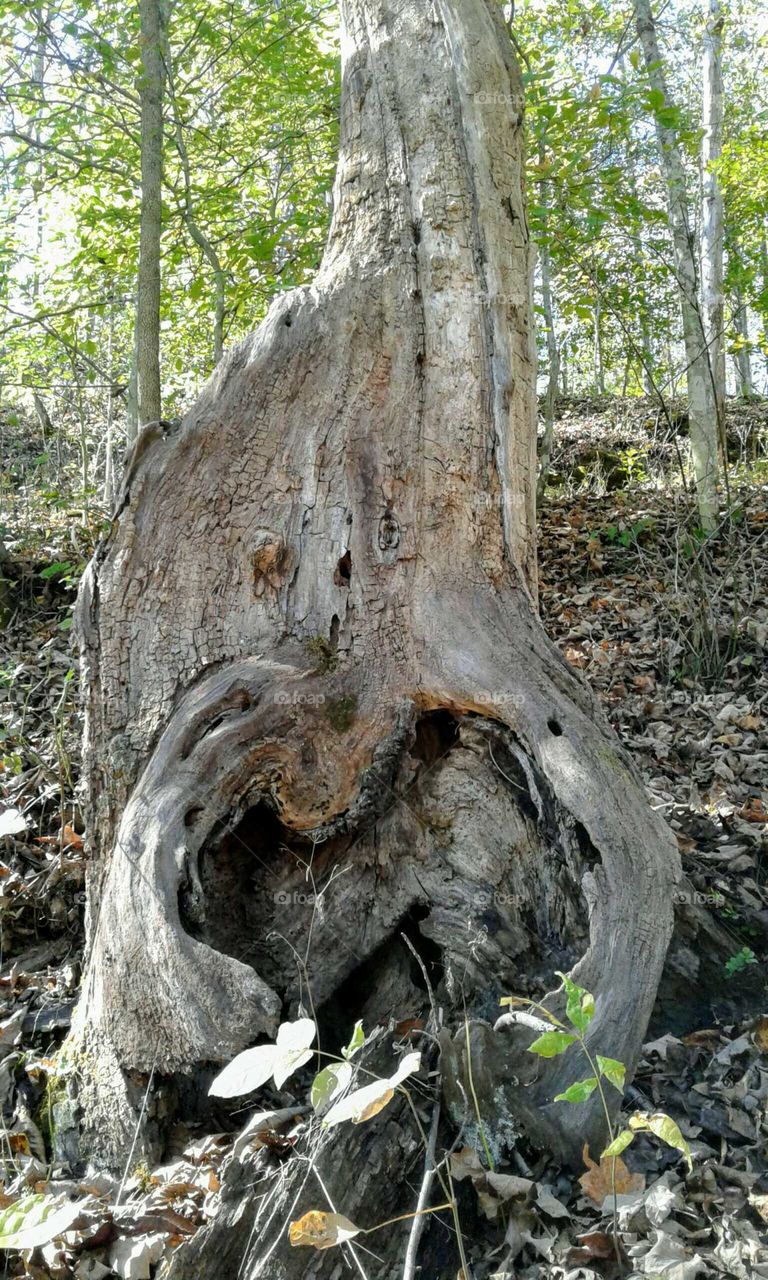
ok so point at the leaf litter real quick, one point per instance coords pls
(616, 598)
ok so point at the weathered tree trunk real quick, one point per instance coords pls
(702, 409)
(151, 86)
(713, 231)
(311, 639)
(553, 350)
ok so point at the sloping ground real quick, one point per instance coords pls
(671, 632)
(608, 443)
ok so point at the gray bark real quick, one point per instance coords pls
(311, 638)
(743, 354)
(151, 88)
(702, 409)
(553, 357)
(712, 238)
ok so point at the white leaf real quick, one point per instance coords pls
(367, 1102)
(248, 1071)
(293, 1041)
(12, 822)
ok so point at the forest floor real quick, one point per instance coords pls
(671, 630)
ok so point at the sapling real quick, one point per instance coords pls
(579, 1012)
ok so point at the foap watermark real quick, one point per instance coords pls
(693, 898)
(294, 898)
(495, 898)
(494, 98)
(497, 698)
(295, 699)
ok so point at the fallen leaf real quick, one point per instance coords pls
(759, 1033)
(70, 838)
(610, 1175)
(754, 810)
(322, 1230)
(12, 822)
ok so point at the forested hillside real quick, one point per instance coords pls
(383, 686)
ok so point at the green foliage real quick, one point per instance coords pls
(740, 961)
(580, 1011)
(249, 153)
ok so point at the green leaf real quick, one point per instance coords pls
(61, 566)
(578, 1092)
(356, 1042)
(613, 1070)
(580, 1007)
(551, 1044)
(36, 1220)
(663, 1127)
(329, 1084)
(619, 1144)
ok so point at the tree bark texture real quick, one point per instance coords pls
(151, 88)
(310, 641)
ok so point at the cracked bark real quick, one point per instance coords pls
(311, 636)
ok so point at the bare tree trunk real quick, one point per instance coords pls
(151, 87)
(743, 357)
(702, 409)
(712, 239)
(311, 639)
(109, 451)
(553, 352)
(598, 348)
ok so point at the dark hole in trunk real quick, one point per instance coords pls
(436, 733)
(366, 991)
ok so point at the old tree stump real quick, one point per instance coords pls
(310, 639)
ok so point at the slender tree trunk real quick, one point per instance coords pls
(743, 356)
(311, 640)
(702, 409)
(598, 349)
(151, 89)
(553, 351)
(712, 240)
(132, 395)
(109, 451)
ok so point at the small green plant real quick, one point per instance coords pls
(579, 1012)
(633, 462)
(740, 961)
(627, 536)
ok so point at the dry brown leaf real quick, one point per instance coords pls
(70, 838)
(600, 1180)
(754, 810)
(322, 1230)
(760, 1205)
(759, 1033)
(594, 1244)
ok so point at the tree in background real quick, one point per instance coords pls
(153, 43)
